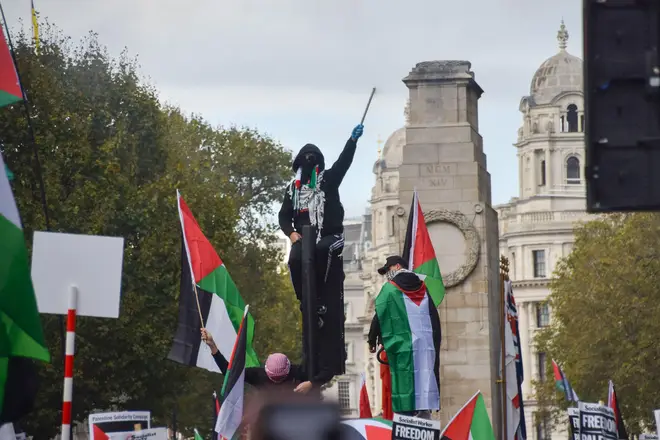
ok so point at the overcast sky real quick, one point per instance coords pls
(302, 70)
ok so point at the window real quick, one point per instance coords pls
(542, 425)
(582, 123)
(542, 173)
(344, 396)
(539, 264)
(572, 118)
(542, 315)
(540, 357)
(573, 170)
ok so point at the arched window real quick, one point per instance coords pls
(573, 170)
(572, 118)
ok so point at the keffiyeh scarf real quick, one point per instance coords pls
(309, 197)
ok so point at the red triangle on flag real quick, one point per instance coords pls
(378, 432)
(459, 426)
(98, 434)
(203, 258)
(10, 89)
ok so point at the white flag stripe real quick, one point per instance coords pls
(231, 411)
(8, 207)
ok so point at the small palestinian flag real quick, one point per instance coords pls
(198, 436)
(562, 384)
(418, 251)
(613, 403)
(366, 429)
(231, 409)
(470, 422)
(365, 405)
(10, 88)
(21, 335)
(219, 300)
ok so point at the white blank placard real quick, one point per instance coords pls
(91, 263)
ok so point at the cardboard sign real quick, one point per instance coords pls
(597, 422)
(91, 263)
(117, 423)
(648, 437)
(574, 422)
(414, 428)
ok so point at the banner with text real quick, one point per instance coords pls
(648, 437)
(414, 428)
(656, 414)
(145, 434)
(574, 422)
(125, 422)
(597, 422)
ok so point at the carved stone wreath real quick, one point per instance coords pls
(472, 241)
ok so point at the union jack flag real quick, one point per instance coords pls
(512, 317)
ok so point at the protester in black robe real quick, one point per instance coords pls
(312, 198)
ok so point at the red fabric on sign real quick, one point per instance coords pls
(203, 258)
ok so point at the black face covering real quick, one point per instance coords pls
(309, 162)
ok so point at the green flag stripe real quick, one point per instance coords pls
(397, 339)
(433, 280)
(481, 428)
(8, 99)
(220, 283)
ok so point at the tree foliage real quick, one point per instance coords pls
(112, 159)
(605, 303)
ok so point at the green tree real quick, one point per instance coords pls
(112, 159)
(605, 303)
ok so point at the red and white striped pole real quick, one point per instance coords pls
(68, 364)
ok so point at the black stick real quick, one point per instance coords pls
(310, 315)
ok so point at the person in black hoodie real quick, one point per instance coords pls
(277, 371)
(409, 283)
(312, 198)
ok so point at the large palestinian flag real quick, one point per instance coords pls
(21, 335)
(10, 89)
(410, 331)
(471, 422)
(366, 429)
(233, 392)
(219, 300)
(418, 251)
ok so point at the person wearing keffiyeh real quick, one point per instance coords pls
(312, 198)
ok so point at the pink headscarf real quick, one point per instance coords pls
(277, 367)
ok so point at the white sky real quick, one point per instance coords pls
(301, 71)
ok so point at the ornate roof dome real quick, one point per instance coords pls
(558, 74)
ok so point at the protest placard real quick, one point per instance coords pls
(117, 422)
(648, 437)
(574, 422)
(414, 428)
(145, 434)
(597, 422)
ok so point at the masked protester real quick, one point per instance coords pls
(405, 312)
(277, 372)
(312, 198)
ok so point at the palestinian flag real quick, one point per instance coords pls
(219, 300)
(21, 336)
(470, 422)
(365, 405)
(198, 436)
(366, 429)
(562, 384)
(231, 410)
(410, 329)
(418, 251)
(10, 88)
(613, 403)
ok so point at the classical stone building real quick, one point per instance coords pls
(536, 228)
(440, 153)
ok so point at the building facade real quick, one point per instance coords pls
(536, 228)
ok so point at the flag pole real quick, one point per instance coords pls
(199, 307)
(504, 276)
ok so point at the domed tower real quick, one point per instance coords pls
(551, 140)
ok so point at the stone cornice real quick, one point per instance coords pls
(541, 282)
